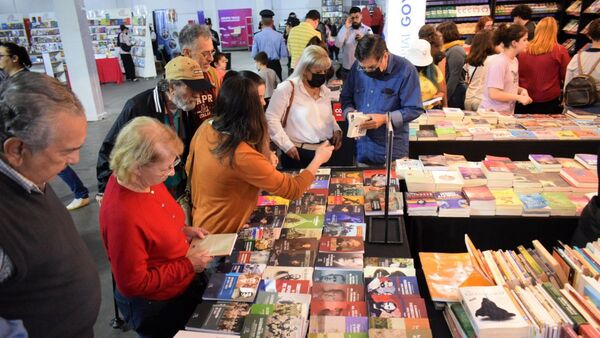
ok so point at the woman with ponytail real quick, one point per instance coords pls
(13, 58)
(502, 89)
(542, 68)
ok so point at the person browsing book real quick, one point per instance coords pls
(381, 82)
(455, 61)
(144, 234)
(300, 115)
(502, 89)
(477, 65)
(430, 76)
(230, 163)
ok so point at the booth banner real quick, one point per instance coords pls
(404, 18)
(233, 27)
(167, 33)
(201, 17)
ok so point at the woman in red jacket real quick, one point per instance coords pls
(143, 230)
(542, 70)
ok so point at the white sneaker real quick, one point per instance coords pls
(78, 203)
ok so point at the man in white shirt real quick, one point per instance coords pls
(347, 38)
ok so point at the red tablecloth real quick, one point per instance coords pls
(109, 70)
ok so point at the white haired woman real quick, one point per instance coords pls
(299, 115)
(142, 226)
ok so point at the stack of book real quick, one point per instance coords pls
(421, 204)
(481, 200)
(452, 204)
(375, 184)
(520, 293)
(545, 162)
(507, 202)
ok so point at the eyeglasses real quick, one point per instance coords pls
(173, 165)
(208, 53)
(371, 68)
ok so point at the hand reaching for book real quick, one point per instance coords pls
(323, 153)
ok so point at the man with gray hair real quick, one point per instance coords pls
(197, 43)
(171, 102)
(48, 279)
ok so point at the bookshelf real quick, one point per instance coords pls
(332, 9)
(46, 51)
(574, 23)
(12, 29)
(104, 29)
(143, 56)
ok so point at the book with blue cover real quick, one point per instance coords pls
(522, 134)
(339, 217)
(345, 229)
(534, 205)
(239, 287)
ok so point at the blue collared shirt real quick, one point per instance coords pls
(398, 92)
(271, 42)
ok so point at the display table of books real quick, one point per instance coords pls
(476, 134)
(499, 202)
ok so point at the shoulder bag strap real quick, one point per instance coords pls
(594, 67)
(287, 110)
(472, 75)
(188, 182)
(579, 64)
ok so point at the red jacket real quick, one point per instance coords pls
(143, 237)
(542, 75)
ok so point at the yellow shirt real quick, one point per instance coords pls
(428, 88)
(298, 38)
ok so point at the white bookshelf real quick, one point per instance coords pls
(46, 51)
(141, 52)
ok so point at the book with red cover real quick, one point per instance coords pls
(496, 166)
(396, 306)
(338, 292)
(377, 178)
(580, 177)
(342, 244)
(286, 286)
(348, 309)
(481, 193)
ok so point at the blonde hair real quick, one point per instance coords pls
(312, 56)
(544, 39)
(138, 144)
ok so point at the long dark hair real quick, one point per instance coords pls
(239, 117)
(18, 51)
(481, 47)
(506, 35)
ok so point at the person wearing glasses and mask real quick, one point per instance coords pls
(196, 42)
(378, 84)
(299, 115)
(169, 102)
(158, 283)
(348, 37)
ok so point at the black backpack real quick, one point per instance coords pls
(582, 90)
(124, 47)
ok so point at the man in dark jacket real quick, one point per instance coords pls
(48, 278)
(169, 102)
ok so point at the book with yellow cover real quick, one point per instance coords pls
(215, 244)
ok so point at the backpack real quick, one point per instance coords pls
(124, 47)
(582, 90)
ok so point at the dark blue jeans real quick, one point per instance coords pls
(161, 319)
(69, 176)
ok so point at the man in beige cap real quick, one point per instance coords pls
(170, 102)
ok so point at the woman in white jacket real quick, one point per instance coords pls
(299, 115)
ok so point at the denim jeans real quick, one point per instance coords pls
(69, 176)
(161, 319)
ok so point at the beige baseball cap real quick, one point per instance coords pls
(187, 70)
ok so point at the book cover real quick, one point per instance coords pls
(298, 258)
(338, 292)
(375, 201)
(451, 200)
(271, 200)
(376, 178)
(329, 308)
(481, 193)
(303, 221)
(224, 318)
(534, 201)
(396, 306)
(345, 200)
(240, 287)
(393, 262)
(291, 233)
(470, 174)
(288, 273)
(346, 190)
(346, 180)
(506, 198)
(381, 271)
(251, 257)
(587, 160)
(496, 166)
(393, 286)
(285, 244)
(276, 325)
(403, 324)
(447, 177)
(344, 261)
(544, 159)
(214, 244)
(338, 324)
(247, 268)
(345, 214)
(300, 286)
(338, 276)
(347, 174)
(420, 200)
(342, 244)
(313, 209)
(433, 160)
(345, 229)
(309, 199)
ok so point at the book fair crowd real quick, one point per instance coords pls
(191, 156)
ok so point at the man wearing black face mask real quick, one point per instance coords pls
(378, 83)
(348, 37)
(300, 115)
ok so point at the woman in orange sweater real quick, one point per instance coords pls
(229, 161)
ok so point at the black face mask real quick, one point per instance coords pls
(375, 74)
(356, 25)
(317, 80)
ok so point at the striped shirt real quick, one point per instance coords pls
(298, 38)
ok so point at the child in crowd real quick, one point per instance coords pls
(220, 64)
(268, 75)
(502, 89)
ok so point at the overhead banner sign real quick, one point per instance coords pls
(404, 18)
(235, 26)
